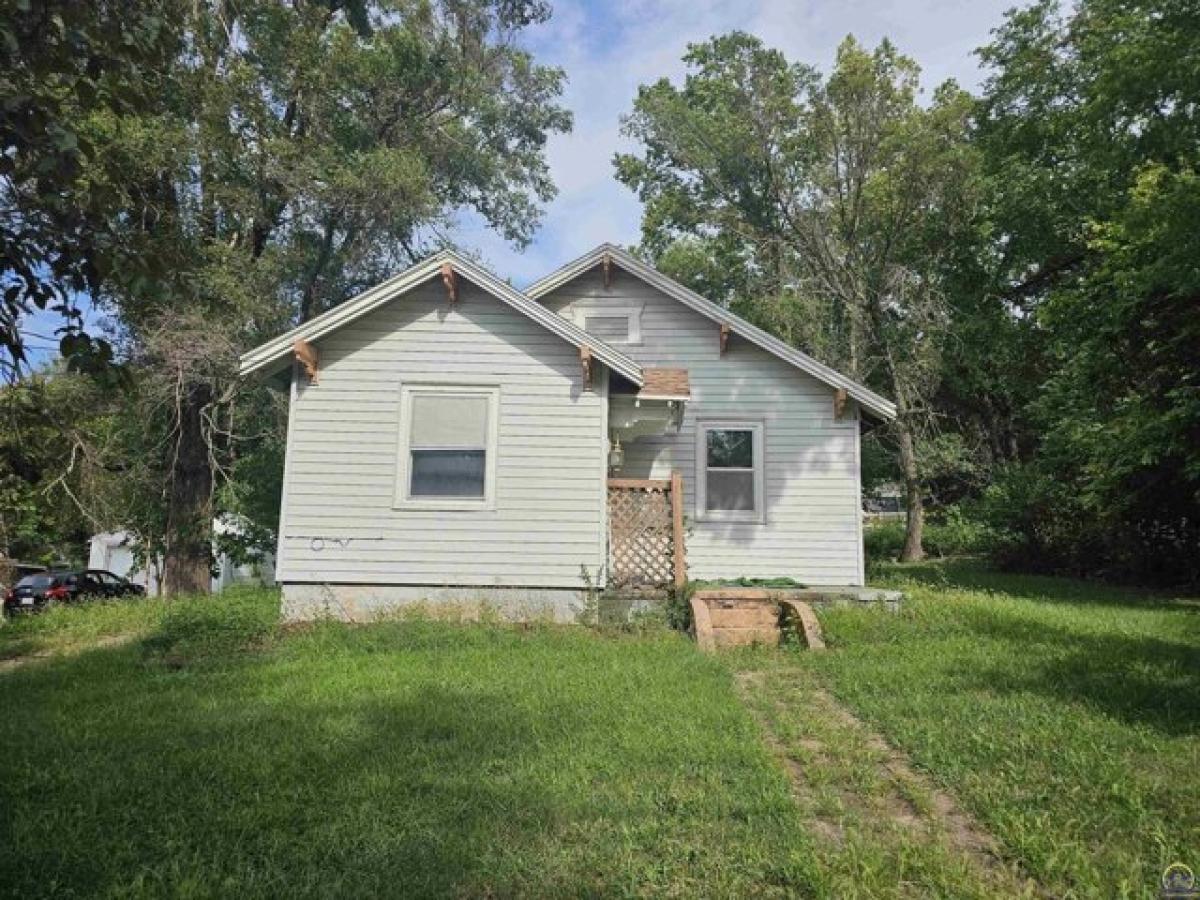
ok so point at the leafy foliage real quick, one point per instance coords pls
(65, 63)
(254, 165)
(1089, 124)
(828, 209)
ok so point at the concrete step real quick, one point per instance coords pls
(744, 637)
(757, 615)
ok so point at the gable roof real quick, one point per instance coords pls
(870, 401)
(276, 350)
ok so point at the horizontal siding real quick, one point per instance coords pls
(339, 523)
(812, 528)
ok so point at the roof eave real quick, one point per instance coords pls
(278, 349)
(866, 398)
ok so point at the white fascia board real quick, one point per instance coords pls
(279, 349)
(871, 401)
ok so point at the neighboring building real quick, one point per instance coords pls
(112, 552)
(886, 501)
(450, 438)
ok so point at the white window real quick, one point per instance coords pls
(448, 438)
(612, 322)
(729, 471)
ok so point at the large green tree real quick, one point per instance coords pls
(1090, 132)
(295, 153)
(830, 209)
(64, 62)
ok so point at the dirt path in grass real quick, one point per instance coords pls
(847, 778)
(100, 643)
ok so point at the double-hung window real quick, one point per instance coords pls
(729, 477)
(448, 438)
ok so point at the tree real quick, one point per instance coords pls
(295, 153)
(47, 425)
(1090, 137)
(830, 210)
(64, 61)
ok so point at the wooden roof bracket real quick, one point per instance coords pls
(308, 357)
(606, 264)
(450, 280)
(725, 332)
(839, 403)
(585, 362)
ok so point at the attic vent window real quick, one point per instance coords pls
(447, 446)
(613, 329)
(613, 323)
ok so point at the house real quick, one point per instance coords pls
(453, 439)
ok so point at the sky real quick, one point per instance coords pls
(610, 48)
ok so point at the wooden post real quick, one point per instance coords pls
(839, 403)
(724, 337)
(679, 550)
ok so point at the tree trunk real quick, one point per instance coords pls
(915, 520)
(188, 556)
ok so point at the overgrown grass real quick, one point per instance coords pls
(1064, 715)
(212, 752)
(218, 755)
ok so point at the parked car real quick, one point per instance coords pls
(34, 592)
(12, 571)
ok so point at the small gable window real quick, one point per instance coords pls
(447, 446)
(614, 322)
(729, 482)
(611, 329)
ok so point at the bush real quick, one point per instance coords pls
(678, 607)
(1041, 522)
(1036, 519)
(953, 531)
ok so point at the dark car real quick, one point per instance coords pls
(34, 592)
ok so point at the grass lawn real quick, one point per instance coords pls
(1065, 717)
(1042, 737)
(215, 755)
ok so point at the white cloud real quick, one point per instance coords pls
(608, 49)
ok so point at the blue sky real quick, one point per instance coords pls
(608, 49)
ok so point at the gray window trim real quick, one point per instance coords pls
(758, 514)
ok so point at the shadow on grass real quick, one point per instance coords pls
(1154, 682)
(123, 777)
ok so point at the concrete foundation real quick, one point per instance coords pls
(303, 602)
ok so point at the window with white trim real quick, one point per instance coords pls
(729, 477)
(448, 437)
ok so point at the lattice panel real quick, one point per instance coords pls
(640, 539)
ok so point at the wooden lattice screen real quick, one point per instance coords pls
(645, 532)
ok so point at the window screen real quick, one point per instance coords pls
(448, 445)
(608, 328)
(729, 470)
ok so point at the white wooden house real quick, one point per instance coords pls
(453, 439)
